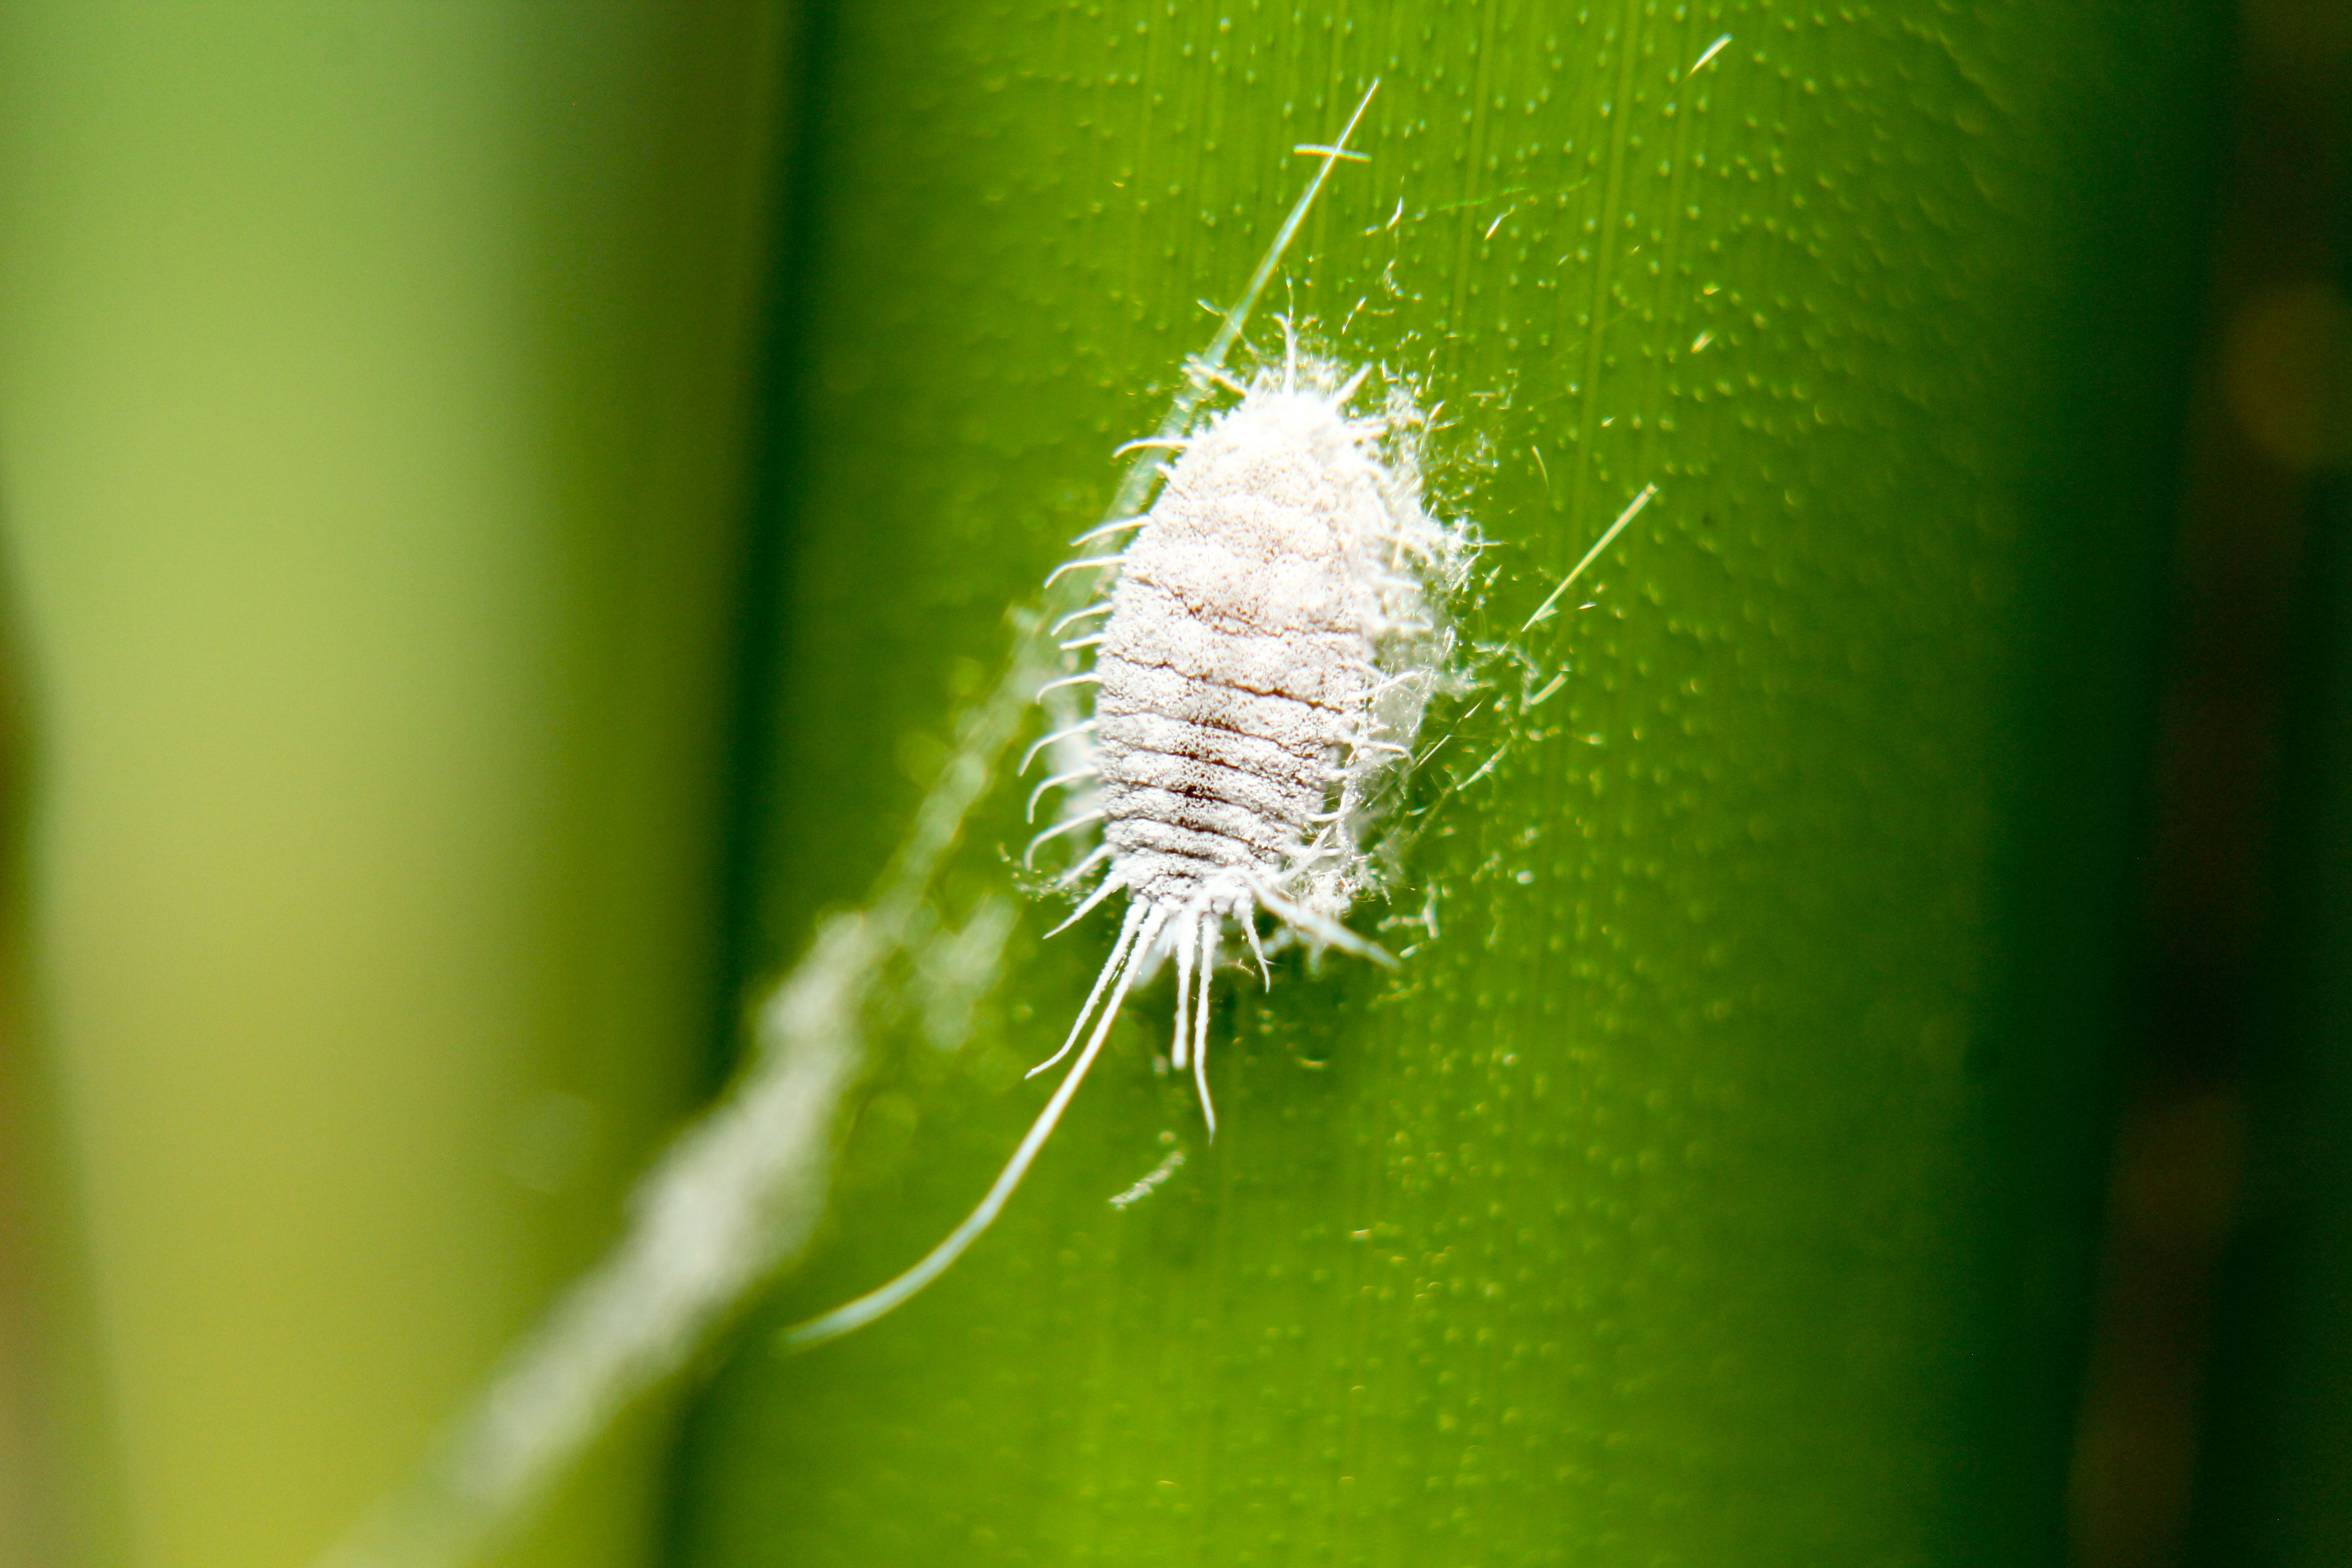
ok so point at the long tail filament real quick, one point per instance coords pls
(1141, 929)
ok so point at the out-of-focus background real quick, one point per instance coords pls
(374, 380)
(378, 400)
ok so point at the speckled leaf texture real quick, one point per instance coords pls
(1716, 1181)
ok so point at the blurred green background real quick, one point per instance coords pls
(373, 380)
(504, 504)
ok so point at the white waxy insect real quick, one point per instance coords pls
(1275, 629)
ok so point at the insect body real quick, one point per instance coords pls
(1272, 642)
(1275, 632)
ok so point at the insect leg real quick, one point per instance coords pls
(1247, 915)
(1321, 927)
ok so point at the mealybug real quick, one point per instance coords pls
(1274, 630)
(1274, 633)
(1270, 636)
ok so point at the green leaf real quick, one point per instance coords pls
(1715, 1181)
(371, 401)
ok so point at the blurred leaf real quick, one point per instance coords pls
(2276, 1490)
(371, 381)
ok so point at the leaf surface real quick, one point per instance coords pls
(1714, 1182)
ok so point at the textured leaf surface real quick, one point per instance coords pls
(1713, 1183)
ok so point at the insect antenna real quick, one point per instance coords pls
(1144, 924)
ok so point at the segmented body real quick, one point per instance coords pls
(1235, 668)
(1272, 637)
